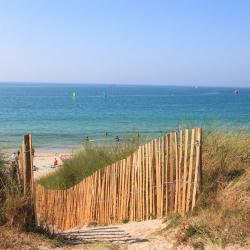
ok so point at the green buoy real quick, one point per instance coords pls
(74, 96)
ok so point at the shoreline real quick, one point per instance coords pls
(43, 149)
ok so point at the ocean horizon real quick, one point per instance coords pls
(61, 116)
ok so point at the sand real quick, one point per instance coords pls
(47, 159)
(145, 235)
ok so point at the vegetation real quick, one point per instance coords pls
(87, 161)
(17, 227)
(15, 238)
(15, 209)
(222, 215)
(6, 186)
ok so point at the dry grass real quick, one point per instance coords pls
(15, 209)
(222, 215)
(16, 239)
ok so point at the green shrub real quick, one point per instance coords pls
(173, 220)
(194, 230)
(198, 245)
(125, 221)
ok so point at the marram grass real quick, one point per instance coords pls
(87, 161)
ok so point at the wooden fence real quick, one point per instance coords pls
(163, 176)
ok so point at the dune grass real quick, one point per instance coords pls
(222, 215)
(91, 158)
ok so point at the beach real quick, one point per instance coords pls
(44, 162)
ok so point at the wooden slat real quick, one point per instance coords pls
(140, 184)
(122, 191)
(190, 170)
(115, 175)
(150, 180)
(200, 177)
(143, 183)
(147, 182)
(162, 175)
(176, 173)
(153, 180)
(185, 172)
(127, 182)
(166, 172)
(138, 195)
(171, 173)
(135, 195)
(157, 177)
(132, 189)
(129, 186)
(180, 170)
(197, 166)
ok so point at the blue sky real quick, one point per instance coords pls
(138, 42)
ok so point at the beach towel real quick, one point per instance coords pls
(44, 166)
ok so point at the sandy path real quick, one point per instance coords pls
(146, 235)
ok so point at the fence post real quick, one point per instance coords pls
(28, 164)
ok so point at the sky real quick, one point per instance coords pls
(178, 42)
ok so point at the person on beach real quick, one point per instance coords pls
(63, 158)
(14, 165)
(13, 157)
(33, 151)
(55, 163)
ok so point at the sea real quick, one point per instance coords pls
(62, 116)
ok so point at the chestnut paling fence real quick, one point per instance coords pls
(163, 176)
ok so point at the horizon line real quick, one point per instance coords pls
(125, 84)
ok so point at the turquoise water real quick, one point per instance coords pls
(58, 120)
